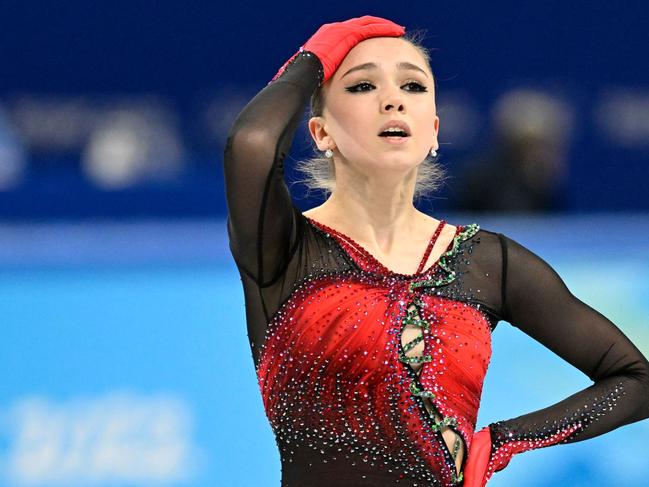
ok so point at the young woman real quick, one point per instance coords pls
(370, 322)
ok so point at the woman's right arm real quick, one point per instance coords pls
(261, 217)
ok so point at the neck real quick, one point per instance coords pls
(376, 211)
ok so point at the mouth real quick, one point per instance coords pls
(395, 132)
(395, 139)
(394, 135)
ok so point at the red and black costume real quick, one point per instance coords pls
(349, 402)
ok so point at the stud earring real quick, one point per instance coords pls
(329, 153)
(433, 152)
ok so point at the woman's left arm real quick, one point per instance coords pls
(537, 301)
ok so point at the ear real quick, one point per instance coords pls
(436, 127)
(318, 131)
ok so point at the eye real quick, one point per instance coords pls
(360, 87)
(364, 86)
(416, 86)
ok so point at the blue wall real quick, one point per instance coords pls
(201, 61)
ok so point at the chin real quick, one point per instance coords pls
(400, 159)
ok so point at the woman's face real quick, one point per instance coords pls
(380, 80)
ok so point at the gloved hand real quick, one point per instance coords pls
(332, 42)
(475, 469)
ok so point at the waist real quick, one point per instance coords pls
(306, 466)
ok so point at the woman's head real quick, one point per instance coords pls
(381, 80)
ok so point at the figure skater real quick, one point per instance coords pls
(369, 321)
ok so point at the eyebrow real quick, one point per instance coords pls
(400, 66)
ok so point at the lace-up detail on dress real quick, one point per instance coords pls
(412, 351)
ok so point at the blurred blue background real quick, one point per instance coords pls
(124, 347)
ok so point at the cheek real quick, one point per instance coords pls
(426, 122)
(428, 130)
(349, 123)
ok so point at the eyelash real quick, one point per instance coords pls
(353, 89)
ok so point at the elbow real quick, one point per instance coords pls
(249, 140)
(640, 372)
(644, 377)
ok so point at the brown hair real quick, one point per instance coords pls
(319, 171)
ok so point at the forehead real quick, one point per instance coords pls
(386, 52)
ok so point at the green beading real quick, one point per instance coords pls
(411, 344)
(469, 231)
(416, 391)
(415, 360)
(457, 478)
(447, 421)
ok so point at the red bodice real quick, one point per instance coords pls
(334, 369)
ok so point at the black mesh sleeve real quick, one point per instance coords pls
(537, 301)
(261, 220)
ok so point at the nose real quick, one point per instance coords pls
(392, 102)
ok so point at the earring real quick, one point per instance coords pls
(433, 152)
(329, 153)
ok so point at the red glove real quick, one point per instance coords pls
(475, 469)
(332, 42)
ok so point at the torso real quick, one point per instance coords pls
(405, 261)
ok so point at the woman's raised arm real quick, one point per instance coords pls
(261, 216)
(260, 211)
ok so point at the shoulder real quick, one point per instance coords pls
(483, 247)
(489, 237)
(476, 233)
(495, 242)
(498, 246)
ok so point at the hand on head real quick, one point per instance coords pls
(331, 42)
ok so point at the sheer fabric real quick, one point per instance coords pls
(350, 400)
